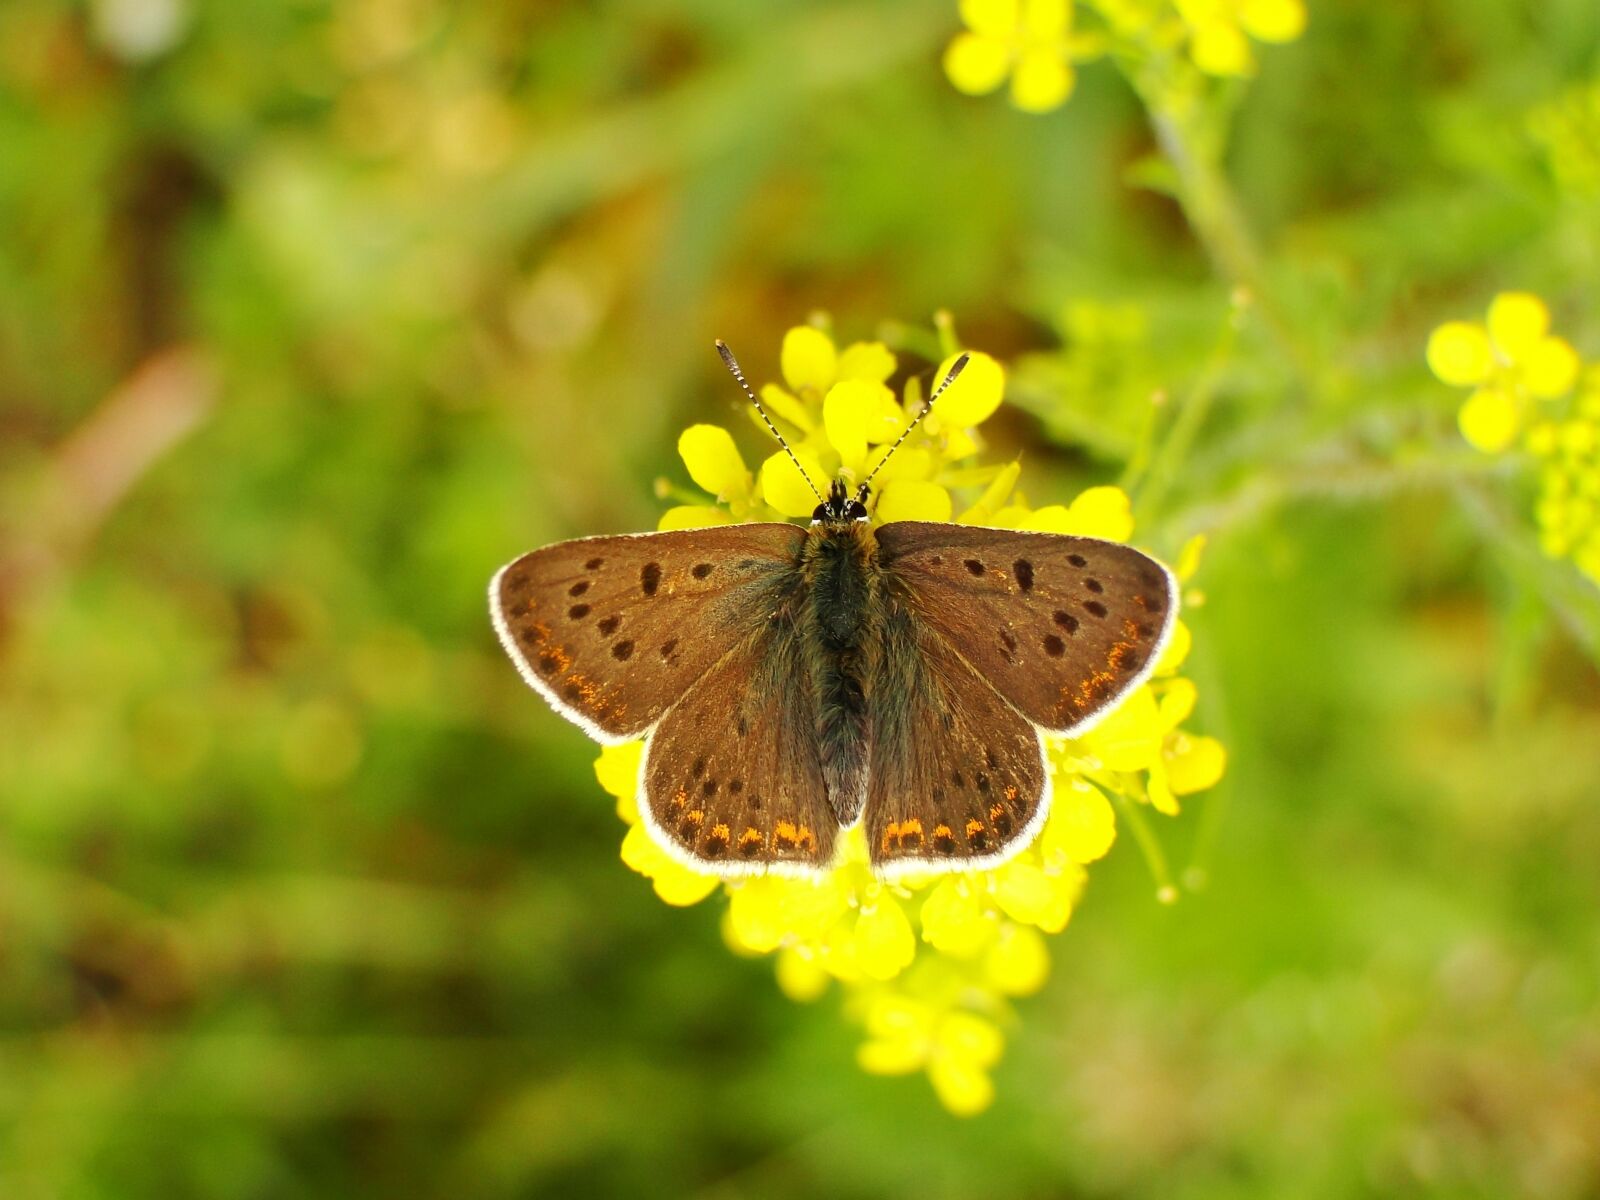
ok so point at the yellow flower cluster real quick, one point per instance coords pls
(1530, 385)
(1035, 45)
(1511, 363)
(1031, 41)
(1568, 508)
(928, 964)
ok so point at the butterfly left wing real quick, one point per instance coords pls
(732, 780)
(1063, 627)
(612, 631)
(958, 777)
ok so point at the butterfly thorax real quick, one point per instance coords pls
(841, 634)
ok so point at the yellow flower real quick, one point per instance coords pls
(1029, 40)
(1568, 507)
(928, 966)
(1512, 362)
(1217, 30)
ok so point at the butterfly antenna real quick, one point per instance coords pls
(950, 377)
(733, 365)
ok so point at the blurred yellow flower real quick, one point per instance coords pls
(1568, 507)
(1218, 29)
(1510, 362)
(1524, 378)
(928, 964)
(1031, 41)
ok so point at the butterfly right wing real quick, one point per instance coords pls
(613, 631)
(1063, 627)
(958, 777)
(732, 781)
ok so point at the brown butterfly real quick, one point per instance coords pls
(790, 682)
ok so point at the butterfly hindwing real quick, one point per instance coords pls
(732, 779)
(958, 777)
(1062, 627)
(612, 631)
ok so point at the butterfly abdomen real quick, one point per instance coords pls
(841, 643)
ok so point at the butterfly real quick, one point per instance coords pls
(792, 682)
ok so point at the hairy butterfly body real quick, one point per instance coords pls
(790, 683)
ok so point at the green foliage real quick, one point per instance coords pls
(312, 314)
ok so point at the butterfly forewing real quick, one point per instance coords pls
(614, 630)
(958, 777)
(732, 780)
(1062, 627)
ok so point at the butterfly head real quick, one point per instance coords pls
(840, 508)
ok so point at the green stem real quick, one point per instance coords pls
(1154, 856)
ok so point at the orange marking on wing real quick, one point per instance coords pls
(807, 839)
(974, 826)
(681, 799)
(695, 815)
(720, 832)
(1119, 655)
(786, 835)
(750, 838)
(891, 836)
(1130, 629)
(996, 811)
(1011, 791)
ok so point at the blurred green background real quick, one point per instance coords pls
(314, 313)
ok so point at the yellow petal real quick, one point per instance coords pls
(963, 1089)
(1550, 368)
(913, 500)
(1518, 321)
(1177, 702)
(996, 18)
(953, 920)
(1159, 792)
(1024, 892)
(783, 487)
(617, 769)
(1129, 739)
(679, 886)
(1104, 512)
(755, 915)
(882, 1056)
(1194, 763)
(1489, 420)
(959, 444)
(713, 461)
(784, 407)
(969, 1038)
(799, 977)
(871, 361)
(1041, 81)
(1082, 826)
(884, 939)
(993, 496)
(847, 411)
(808, 359)
(1219, 48)
(908, 462)
(975, 394)
(1177, 649)
(976, 64)
(693, 516)
(673, 882)
(1459, 353)
(1273, 20)
(1019, 962)
(1043, 20)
